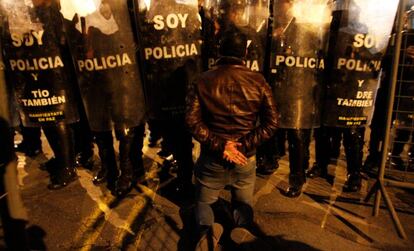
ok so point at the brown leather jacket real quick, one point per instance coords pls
(230, 102)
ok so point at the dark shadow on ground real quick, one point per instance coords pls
(274, 243)
(32, 239)
(35, 236)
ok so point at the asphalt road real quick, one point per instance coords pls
(87, 217)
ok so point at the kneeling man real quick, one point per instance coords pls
(230, 111)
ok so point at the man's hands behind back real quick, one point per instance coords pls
(233, 155)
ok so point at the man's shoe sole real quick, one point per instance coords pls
(204, 243)
(241, 235)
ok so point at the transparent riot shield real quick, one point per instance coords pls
(11, 206)
(103, 48)
(299, 38)
(251, 17)
(6, 155)
(37, 63)
(359, 36)
(169, 37)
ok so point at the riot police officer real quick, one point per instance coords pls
(296, 67)
(170, 56)
(39, 69)
(352, 68)
(103, 47)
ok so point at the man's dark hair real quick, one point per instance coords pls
(233, 43)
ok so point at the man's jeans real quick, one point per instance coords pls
(212, 174)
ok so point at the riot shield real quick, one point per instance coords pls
(37, 63)
(250, 17)
(103, 48)
(299, 38)
(359, 36)
(11, 206)
(169, 39)
(6, 154)
(404, 95)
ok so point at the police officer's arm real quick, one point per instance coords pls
(268, 122)
(196, 124)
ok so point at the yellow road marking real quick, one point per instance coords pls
(136, 210)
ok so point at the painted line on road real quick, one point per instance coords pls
(96, 194)
(137, 209)
(87, 234)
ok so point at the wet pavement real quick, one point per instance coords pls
(87, 217)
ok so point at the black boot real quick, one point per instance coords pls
(322, 153)
(316, 171)
(354, 144)
(83, 145)
(267, 167)
(267, 160)
(62, 178)
(83, 139)
(127, 148)
(85, 159)
(109, 171)
(298, 160)
(60, 138)
(353, 182)
(294, 191)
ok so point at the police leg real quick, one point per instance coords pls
(260, 158)
(336, 138)
(376, 137)
(109, 170)
(354, 144)
(127, 144)
(267, 157)
(320, 166)
(181, 139)
(63, 172)
(374, 153)
(299, 140)
(83, 141)
(280, 142)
